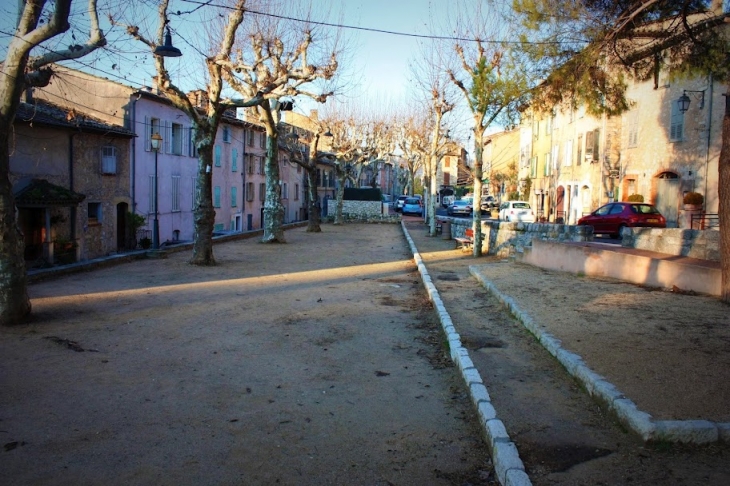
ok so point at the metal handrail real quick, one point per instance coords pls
(704, 221)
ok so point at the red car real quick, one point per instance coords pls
(613, 217)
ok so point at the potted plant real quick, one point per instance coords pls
(636, 198)
(693, 201)
(136, 221)
(145, 243)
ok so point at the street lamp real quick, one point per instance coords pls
(156, 141)
(684, 99)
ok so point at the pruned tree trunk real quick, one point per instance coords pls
(204, 214)
(478, 173)
(313, 225)
(724, 202)
(341, 178)
(273, 208)
(14, 301)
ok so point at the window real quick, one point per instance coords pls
(234, 197)
(262, 141)
(676, 130)
(568, 156)
(332, 178)
(176, 194)
(192, 149)
(94, 209)
(296, 192)
(234, 160)
(447, 179)
(284, 191)
(151, 194)
(533, 167)
(249, 191)
(262, 192)
(592, 139)
(579, 149)
(108, 160)
(251, 135)
(176, 139)
(262, 165)
(217, 155)
(547, 164)
(548, 124)
(216, 197)
(152, 126)
(447, 161)
(250, 163)
(227, 134)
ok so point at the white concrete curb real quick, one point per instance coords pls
(507, 463)
(685, 431)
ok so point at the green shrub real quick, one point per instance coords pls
(636, 198)
(693, 198)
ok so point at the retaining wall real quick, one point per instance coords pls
(701, 244)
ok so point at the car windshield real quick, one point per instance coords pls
(412, 200)
(644, 209)
(461, 203)
(521, 205)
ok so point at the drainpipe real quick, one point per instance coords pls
(72, 223)
(711, 83)
(133, 158)
(244, 168)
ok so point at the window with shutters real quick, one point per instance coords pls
(284, 191)
(234, 160)
(217, 156)
(226, 134)
(676, 129)
(296, 192)
(176, 139)
(249, 191)
(234, 197)
(262, 191)
(217, 197)
(262, 165)
(262, 140)
(108, 160)
(175, 194)
(192, 149)
(251, 134)
(151, 194)
(533, 167)
(568, 156)
(250, 163)
(579, 149)
(548, 163)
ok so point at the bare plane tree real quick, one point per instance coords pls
(23, 67)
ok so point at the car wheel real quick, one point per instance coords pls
(620, 229)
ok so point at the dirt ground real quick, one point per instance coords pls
(667, 352)
(314, 362)
(321, 362)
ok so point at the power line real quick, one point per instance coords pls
(369, 29)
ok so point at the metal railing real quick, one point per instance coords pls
(705, 221)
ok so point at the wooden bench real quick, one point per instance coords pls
(465, 242)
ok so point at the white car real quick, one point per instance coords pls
(516, 211)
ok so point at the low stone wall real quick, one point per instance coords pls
(503, 239)
(362, 211)
(702, 244)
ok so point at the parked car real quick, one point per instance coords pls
(461, 206)
(412, 205)
(489, 203)
(516, 211)
(399, 203)
(613, 217)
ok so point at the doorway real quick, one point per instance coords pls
(124, 240)
(667, 197)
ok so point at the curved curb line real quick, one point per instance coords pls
(507, 463)
(685, 431)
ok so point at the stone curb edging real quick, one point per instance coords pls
(507, 463)
(684, 431)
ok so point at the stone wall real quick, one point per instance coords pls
(363, 211)
(501, 238)
(702, 244)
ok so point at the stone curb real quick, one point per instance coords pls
(684, 431)
(507, 463)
